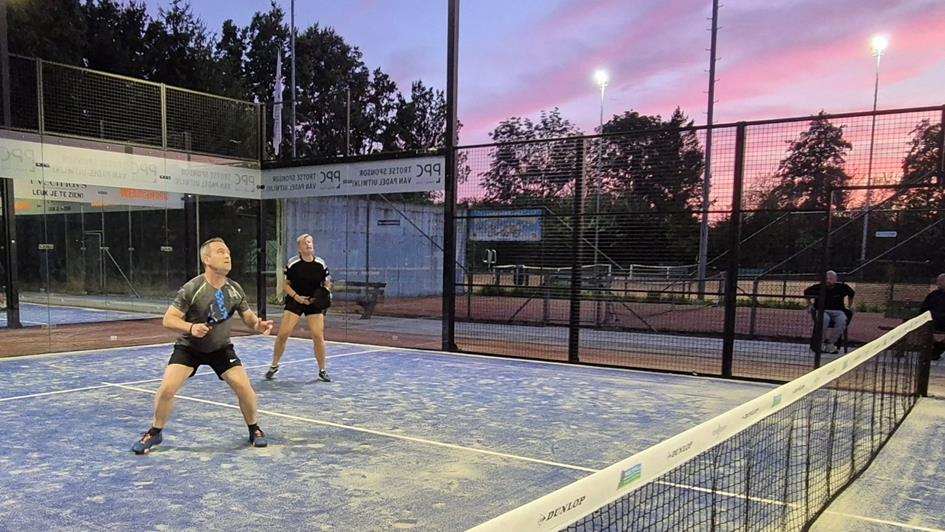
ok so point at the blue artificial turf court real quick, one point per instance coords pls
(32, 315)
(399, 440)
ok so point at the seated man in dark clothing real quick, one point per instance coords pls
(935, 303)
(835, 309)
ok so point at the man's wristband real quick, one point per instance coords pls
(190, 330)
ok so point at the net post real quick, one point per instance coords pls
(925, 361)
(734, 258)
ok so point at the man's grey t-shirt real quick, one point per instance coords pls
(202, 303)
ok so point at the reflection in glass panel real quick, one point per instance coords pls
(103, 247)
(234, 220)
(385, 255)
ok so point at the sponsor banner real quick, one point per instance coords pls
(29, 207)
(509, 225)
(418, 174)
(26, 161)
(96, 196)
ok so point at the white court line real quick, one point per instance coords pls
(796, 505)
(81, 352)
(29, 321)
(374, 432)
(54, 304)
(107, 349)
(43, 394)
(414, 351)
(158, 379)
(146, 346)
(885, 522)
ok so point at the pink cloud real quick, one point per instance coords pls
(763, 72)
(569, 79)
(575, 12)
(841, 65)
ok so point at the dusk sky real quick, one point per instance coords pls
(518, 57)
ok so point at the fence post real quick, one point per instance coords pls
(731, 277)
(941, 150)
(822, 295)
(754, 307)
(261, 255)
(577, 258)
(5, 68)
(448, 337)
(164, 120)
(10, 280)
(40, 100)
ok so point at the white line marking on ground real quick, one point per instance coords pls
(373, 432)
(81, 352)
(158, 379)
(44, 394)
(885, 522)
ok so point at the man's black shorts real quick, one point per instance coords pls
(220, 360)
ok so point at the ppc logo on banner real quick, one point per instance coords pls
(417, 174)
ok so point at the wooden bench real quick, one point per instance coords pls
(902, 310)
(364, 294)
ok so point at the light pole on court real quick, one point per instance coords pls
(601, 78)
(878, 44)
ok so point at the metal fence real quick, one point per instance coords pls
(92, 241)
(635, 249)
(62, 100)
(588, 248)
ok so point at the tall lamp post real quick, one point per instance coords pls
(600, 78)
(878, 44)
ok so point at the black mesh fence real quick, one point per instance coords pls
(62, 100)
(628, 249)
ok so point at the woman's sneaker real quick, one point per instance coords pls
(258, 438)
(147, 441)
